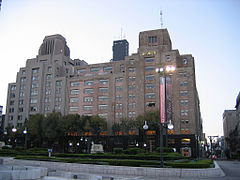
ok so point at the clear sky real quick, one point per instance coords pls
(207, 29)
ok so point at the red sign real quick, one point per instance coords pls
(162, 99)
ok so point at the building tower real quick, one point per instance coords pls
(120, 49)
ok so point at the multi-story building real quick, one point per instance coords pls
(120, 49)
(112, 90)
(229, 122)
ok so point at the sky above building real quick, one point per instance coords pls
(207, 29)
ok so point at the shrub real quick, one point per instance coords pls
(6, 147)
(134, 151)
(165, 149)
(118, 150)
(19, 148)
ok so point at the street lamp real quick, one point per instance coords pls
(14, 130)
(169, 126)
(168, 70)
(25, 144)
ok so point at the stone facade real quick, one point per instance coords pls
(113, 90)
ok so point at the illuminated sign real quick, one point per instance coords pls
(149, 53)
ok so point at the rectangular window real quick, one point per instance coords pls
(34, 92)
(94, 69)
(107, 68)
(47, 100)
(103, 115)
(102, 98)
(87, 108)
(35, 70)
(122, 67)
(88, 82)
(35, 78)
(103, 81)
(33, 108)
(150, 77)
(58, 90)
(168, 58)
(102, 90)
(131, 61)
(74, 91)
(20, 109)
(33, 100)
(74, 100)
(13, 88)
(150, 95)
(73, 84)
(73, 108)
(88, 99)
(21, 102)
(88, 91)
(23, 72)
(49, 76)
(58, 83)
(152, 39)
(149, 60)
(35, 85)
(21, 94)
(150, 86)
(102, 106)
(58, 99)
(48, 91)
(49, 69)
(150, 68)
(81, 71)
(48, 84)
(23, 79)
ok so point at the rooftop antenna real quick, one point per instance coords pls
(161, 20)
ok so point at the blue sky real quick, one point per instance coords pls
(207, 29)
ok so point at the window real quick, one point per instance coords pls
(122, 67)
(131, 61)
(150, 95)
(74, 100)
(119, 88)
(12, 95)
(58, 99)
(152, 39)
(11, 110)
(73, 84)
(103, 115)
(74, 91)
(88, 91)
(149, 60)
(48, 84)
(168, 58)
(33, 100)
(58, 83)
(47, 108)
(57, 107)
(35, 70)
(184, 102)
(94, 69)
(13, 88)
(88, 99)
(35, 85)
(48, 91)
(183, 93)
(149, 77)
(150, 68)
(132, 70)
(73, 108)
(102, 98)
(81, 71)
(150, 86)
(102, 90)
(185, 61)
(21, 102)
(35, 78)
(87, 108)
(107, 68)
(102, 106)
(11, 103)
(185, 83)
(21, 94)
(47, 100)
(20, 109)
(132, 79)
(88, 82)
(184, 112)
(118, 106)
(119, 97)
(58, 90)
(23, 72)
(20, 117)
(103, 81)
(49, 76)
(23, 79)
(49, 69)
(33, 108)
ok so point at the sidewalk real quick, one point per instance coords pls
(74, 170)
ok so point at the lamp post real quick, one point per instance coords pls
(162, 102)
(25, 144)
(14, 130)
